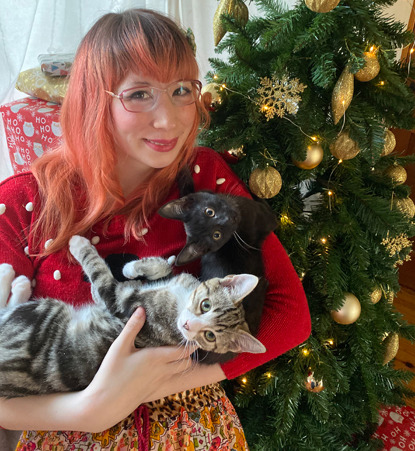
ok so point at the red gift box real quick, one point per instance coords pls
(32, 127)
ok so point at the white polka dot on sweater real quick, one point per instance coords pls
(48, 242)
(220, 181)
(26, 250)
(57, 275)
(197, 168)
(144, 231)
(95, 240)
(29, 206)
(2, 208)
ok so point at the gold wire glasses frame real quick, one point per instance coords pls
(144, 98)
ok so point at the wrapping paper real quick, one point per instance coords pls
(397, 428)
(32, 127)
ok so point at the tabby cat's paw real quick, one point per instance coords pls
(77, 243)
(6, 277)
(152, 268)
(21, 290)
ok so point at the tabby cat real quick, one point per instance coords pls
(227, 233)
(49, 346)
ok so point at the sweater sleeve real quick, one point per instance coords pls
(18, 196)
(286, 318)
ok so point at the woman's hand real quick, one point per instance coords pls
(128, 376)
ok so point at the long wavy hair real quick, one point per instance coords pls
(78, 181)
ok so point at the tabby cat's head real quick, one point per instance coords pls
(215, 318)
(209, 218)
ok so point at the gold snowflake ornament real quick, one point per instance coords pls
(278, 97)
(396, 245)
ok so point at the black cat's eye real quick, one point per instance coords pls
(209, 212)
(210, 336)
(205, 305)
(217, 235)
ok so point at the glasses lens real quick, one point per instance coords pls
(183, 93)
(139, 99)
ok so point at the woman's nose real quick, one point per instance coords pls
(165, 113)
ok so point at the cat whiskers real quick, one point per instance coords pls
(244, 245)
(185, 344)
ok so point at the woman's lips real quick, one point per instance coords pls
(162, 145)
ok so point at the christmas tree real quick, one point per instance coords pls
(303, 106)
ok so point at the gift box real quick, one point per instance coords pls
(32, 127)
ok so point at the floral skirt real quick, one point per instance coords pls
(196, 420)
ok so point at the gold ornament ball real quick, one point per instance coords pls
(213, 90)
(314, 157)
(390, 143)
(349, 312)
(265, 183)
(236, 9)
(342, 94)
(344, 148)
(406, 206)
(371, 68)
(321, 6)
(312, 384)
(391, 343)
(397, 173)
(376, 295)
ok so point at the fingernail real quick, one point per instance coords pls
(139, 312)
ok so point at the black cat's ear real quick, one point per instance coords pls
(175, 209)
(243, 341)
(190, 252)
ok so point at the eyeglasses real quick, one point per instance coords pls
(144, 98)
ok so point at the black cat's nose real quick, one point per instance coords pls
(186, 325)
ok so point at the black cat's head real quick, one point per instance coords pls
(210, 219)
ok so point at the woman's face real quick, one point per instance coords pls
(148, 140)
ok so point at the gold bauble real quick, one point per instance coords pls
(311, 384)
(235, 8)
(390, 143)
(313, 158)
(213, 90)
(265, 183)
(342, 94)
(349, 312)
(321, 6)
(371, 68)
(406, 206)
(344, 148)
(391, 343)
(397, 173)
(376, 295)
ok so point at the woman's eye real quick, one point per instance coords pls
(209, 212)
(182, 91)
(139, 95)
(217, 235)
(205, 305)
(210, 336)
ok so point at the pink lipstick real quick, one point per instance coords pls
(162, 145)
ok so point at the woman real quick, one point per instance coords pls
(130, 119)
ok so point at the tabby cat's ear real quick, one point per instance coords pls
(174, 209)
(240, 285)
(190, 252)
(243, 341)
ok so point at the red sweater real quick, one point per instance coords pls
(286, 320)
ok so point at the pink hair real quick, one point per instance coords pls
(78, 181)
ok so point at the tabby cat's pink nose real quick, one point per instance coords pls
(186, 325)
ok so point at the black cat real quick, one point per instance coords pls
(227, 233)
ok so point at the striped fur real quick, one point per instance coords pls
(49, 346)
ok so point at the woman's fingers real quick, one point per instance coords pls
(125, 341)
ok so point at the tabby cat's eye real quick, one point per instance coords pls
(210, 336)
(205, 305)
(217, 235)
(209, 212)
